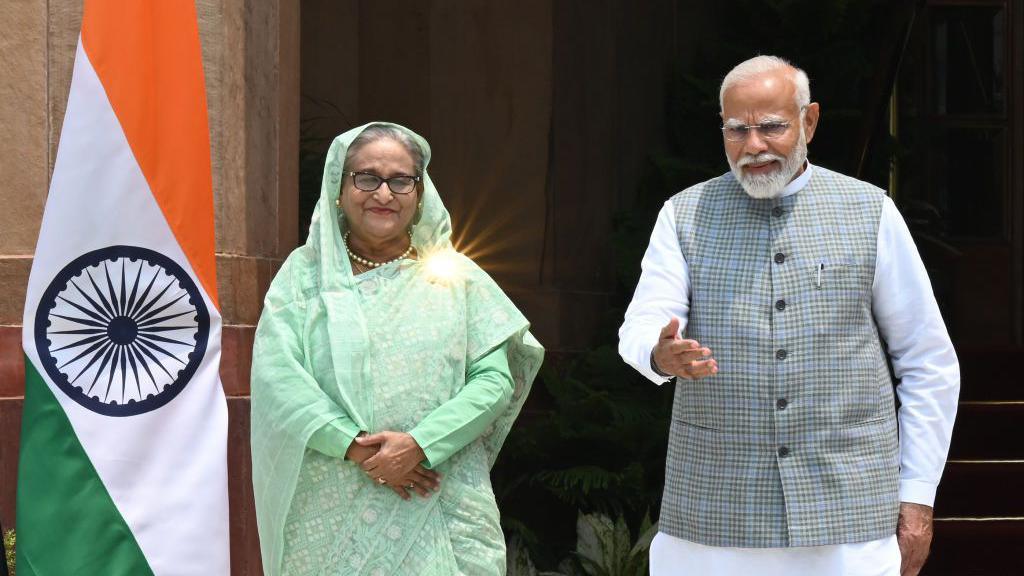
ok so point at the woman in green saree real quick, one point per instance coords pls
(387, 371)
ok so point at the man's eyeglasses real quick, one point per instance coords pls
(770, 130)
(397, 184)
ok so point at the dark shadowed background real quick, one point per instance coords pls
(558, 129)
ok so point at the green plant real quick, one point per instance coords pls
(9, 542)
(603, 548)
(519, 562)
(593, 443)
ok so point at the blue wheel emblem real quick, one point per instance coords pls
(122, 330)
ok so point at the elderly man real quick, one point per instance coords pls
(773, 294)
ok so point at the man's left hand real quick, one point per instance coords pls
(914, 534)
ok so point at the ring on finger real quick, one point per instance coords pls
(381, 480)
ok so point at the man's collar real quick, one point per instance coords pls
(799, 183)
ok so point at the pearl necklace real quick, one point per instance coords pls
(370, 263)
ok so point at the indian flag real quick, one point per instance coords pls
(123, 464)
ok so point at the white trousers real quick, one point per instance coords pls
(672, 556)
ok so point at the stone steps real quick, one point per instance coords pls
(988, 430)
(981, 488)
(979, 525)
(977, 547)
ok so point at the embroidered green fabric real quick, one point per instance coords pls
(383, 350)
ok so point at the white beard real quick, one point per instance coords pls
(770, 185)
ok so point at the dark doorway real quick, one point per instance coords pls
(956, 119)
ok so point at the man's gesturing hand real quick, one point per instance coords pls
(683, 358)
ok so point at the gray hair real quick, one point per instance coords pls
(375, 132)
(757, 65)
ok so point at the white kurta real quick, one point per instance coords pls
(922, 355)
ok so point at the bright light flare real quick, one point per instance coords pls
(443, 266)
(509, 242)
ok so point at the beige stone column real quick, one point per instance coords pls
(251, 59)
(24, 161)
(251, 62)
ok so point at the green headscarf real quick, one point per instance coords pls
(316, 286)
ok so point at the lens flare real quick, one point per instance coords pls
(443, 266)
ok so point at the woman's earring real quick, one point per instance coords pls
(341, 211)
(419, 213)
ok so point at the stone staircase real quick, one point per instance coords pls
(979, 508)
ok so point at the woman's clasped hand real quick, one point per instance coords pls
(394, 459)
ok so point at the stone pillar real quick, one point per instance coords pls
(24, 162)
(251, 62)
(251, 58)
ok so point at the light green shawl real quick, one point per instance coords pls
(316, 287)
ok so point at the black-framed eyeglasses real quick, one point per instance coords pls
(771, 130)
(397, 184)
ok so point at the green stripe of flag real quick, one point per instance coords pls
(59, 489)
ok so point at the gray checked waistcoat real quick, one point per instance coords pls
(793, 442)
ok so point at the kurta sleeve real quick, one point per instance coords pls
(663, 292)
(922, 356)
(335, 437)
(465, 417)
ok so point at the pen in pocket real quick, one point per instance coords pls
(821, 266)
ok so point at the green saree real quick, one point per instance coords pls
(414, 346)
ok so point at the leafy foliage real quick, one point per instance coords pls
(597, 445)
(9, 542)
(603, 548)
(520, 564)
